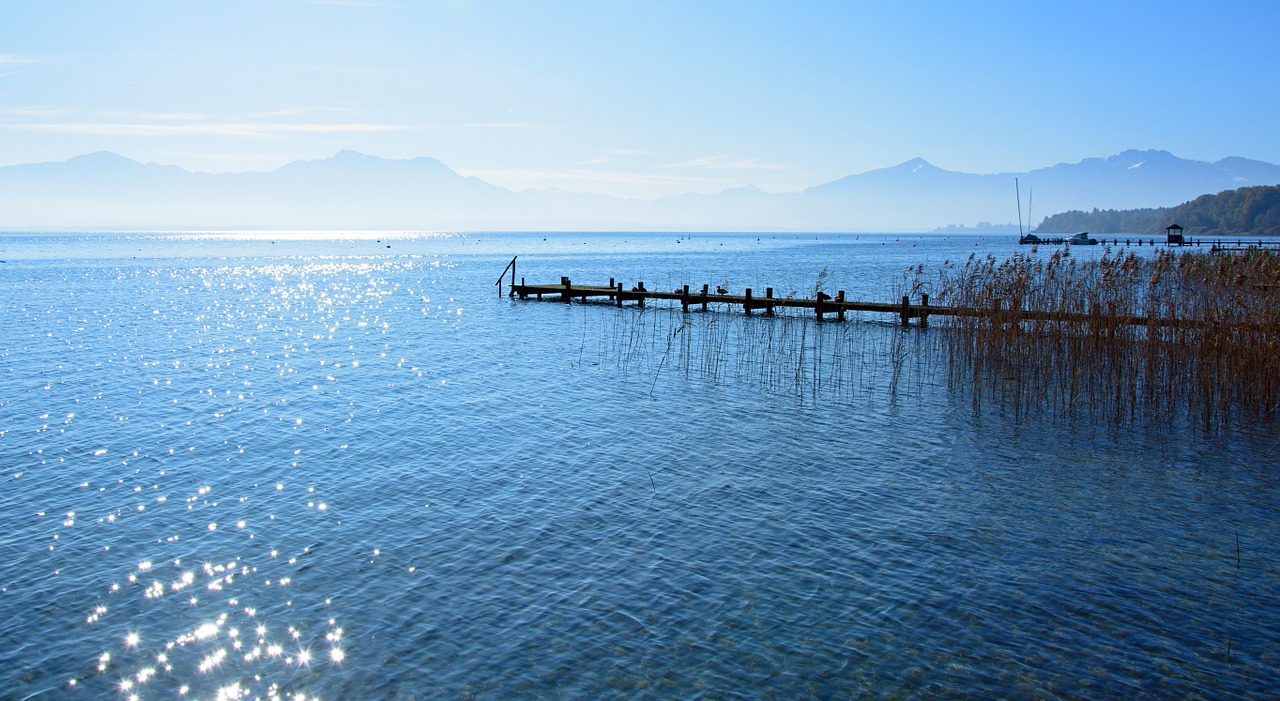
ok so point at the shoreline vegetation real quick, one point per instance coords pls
(1209, 356)
(1218, 359)
(1245, 212)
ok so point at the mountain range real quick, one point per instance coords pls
(105, 191)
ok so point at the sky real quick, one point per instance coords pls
(639, 99)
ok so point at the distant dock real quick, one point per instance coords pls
(1241, 244)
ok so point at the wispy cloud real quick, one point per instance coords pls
(297, 110)
(47, 112)
(159, 116)
(504, 125)
(520, 178)
(53, 120)
(243, 129)
(615, 155)
(34, 112)
(11, 60)
(722, 162)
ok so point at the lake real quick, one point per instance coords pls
(341, 466)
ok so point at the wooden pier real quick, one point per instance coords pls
(825, 306)
(1240, 244)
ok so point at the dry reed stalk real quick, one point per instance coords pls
(1211, 345)
(1210, 349)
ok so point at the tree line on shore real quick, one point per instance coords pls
(1248, 211)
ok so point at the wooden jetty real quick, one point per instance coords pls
(617, 293)
(998, 313)
(823, 306)
(1214, 244)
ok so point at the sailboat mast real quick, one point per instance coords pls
(1030, 196)
(1018, 191)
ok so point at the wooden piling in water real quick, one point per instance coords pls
(822, 304)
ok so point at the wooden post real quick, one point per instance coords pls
(618, 294)
(684, 299)
(768, 304)
(1112, 321)
(906, 310)
(640, 297)
(840, 302)
(924, 310)
(704, 297)
(817, 307)
(746, 303)
(567, 288)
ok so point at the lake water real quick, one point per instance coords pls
(277, 465)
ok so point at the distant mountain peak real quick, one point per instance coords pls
(101, 158)
(915, 165)
(1147, 153)
(1134, 158)
(347, 154)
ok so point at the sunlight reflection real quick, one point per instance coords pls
(228, 651)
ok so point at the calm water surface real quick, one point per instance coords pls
(264, 465)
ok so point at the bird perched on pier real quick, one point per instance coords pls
(823, 296)
(722, 290)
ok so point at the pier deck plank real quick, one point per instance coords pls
(837, 306)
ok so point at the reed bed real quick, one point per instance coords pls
(782, 353)
(1209, 347)
(1207, 350)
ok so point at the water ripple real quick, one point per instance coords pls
(350, 475)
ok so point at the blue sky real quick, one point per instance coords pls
(638, 99)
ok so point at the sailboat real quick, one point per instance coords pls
(1027, 238)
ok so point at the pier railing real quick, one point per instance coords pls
(512, 267)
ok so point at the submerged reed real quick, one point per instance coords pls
(787, 352)
(1208, 347)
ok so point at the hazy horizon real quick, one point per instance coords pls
(357, 191)
(636, 102)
